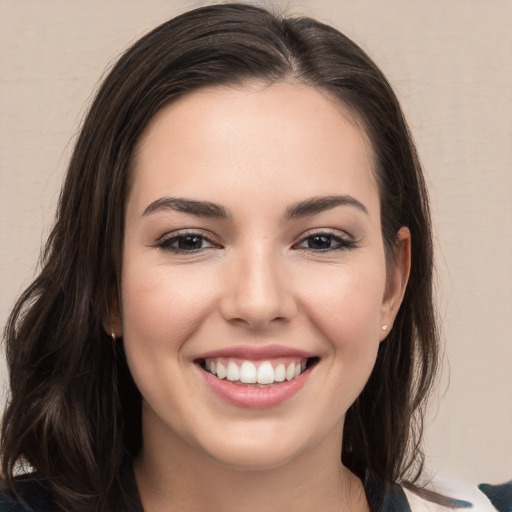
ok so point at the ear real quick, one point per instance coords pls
(112, 320)
(396, 281)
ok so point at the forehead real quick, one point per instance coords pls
(262, 138)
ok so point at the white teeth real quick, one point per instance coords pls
(280, 373)
(290, 371)
(233, 372)
(248, 373)
(221, 371)
(265, 374)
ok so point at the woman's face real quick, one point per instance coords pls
(254, 282)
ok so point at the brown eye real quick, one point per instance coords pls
(325, 242)
(319, 242)
(189, 242)
(185, 243)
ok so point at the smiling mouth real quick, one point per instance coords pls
(260, 374)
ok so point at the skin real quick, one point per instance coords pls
(254, 280)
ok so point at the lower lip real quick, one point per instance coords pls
(252, 397)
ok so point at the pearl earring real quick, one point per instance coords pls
(384, 327)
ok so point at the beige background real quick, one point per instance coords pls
(451, 64)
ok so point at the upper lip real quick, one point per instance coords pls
(256, 353)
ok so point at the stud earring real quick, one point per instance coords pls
(384, 327)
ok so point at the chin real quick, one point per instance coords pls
(256, 457)
(261, 447)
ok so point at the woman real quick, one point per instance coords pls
(237, 291)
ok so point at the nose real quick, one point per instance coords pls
(258, 291)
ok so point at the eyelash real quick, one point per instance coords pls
(341, 242)
(165, 243)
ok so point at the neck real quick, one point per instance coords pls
(176, 476)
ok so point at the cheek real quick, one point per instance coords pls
(160, 301)
(345, 305)
(162, 309)
(343, 308)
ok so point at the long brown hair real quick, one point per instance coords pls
(74, 412)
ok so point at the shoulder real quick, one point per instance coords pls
(31, 496)
(449, 495)
(499, 495)
(439, 495)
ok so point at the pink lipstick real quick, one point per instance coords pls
(256, 377)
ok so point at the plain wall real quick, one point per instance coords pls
(450, 62)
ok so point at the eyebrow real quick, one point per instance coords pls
(199, 208)
(320, 204)
(304, 208)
